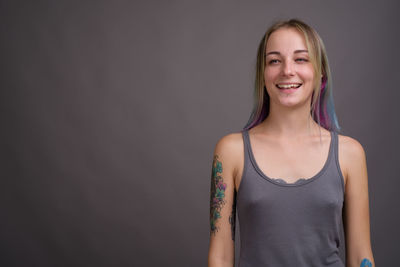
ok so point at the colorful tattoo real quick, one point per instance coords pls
(217, 194)
(365, 263)
(232, 218)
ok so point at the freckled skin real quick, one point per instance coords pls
(365, 263)
(217, 194)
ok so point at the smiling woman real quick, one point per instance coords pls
(288, 172)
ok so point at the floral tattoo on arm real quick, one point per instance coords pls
(217, 194)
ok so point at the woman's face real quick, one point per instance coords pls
(289, 74)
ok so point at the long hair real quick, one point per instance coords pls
(322, 107)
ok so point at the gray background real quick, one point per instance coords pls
(110, 111)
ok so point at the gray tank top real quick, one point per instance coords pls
(290, 224)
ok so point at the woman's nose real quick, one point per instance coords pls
(288, 69)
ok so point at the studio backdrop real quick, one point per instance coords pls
(110, 112)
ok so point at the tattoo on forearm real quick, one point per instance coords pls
(232, 218)
(217, 194)
(365, 263)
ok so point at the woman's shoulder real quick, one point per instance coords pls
(230, 147)
(351, 154)
(231, 142)
(350, 146)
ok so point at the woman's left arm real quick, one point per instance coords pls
(356, 206)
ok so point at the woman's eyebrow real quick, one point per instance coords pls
(301, 51)
(273, 52)
(295, 52)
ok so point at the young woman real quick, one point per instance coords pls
(288, 172)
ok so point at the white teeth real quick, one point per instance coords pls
(287, 86)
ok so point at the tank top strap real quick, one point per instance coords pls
(336, 156)
(246, 144)
(335, 142)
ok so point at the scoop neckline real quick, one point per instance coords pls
(299, 181)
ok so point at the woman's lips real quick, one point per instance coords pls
(289, 87)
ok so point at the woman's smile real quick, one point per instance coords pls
(288, 88)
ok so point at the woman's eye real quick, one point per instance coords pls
(301, 60)
(273, 61)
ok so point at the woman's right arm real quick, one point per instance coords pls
(222, 205)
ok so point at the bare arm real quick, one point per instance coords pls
(222, 206)
(356, 211)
